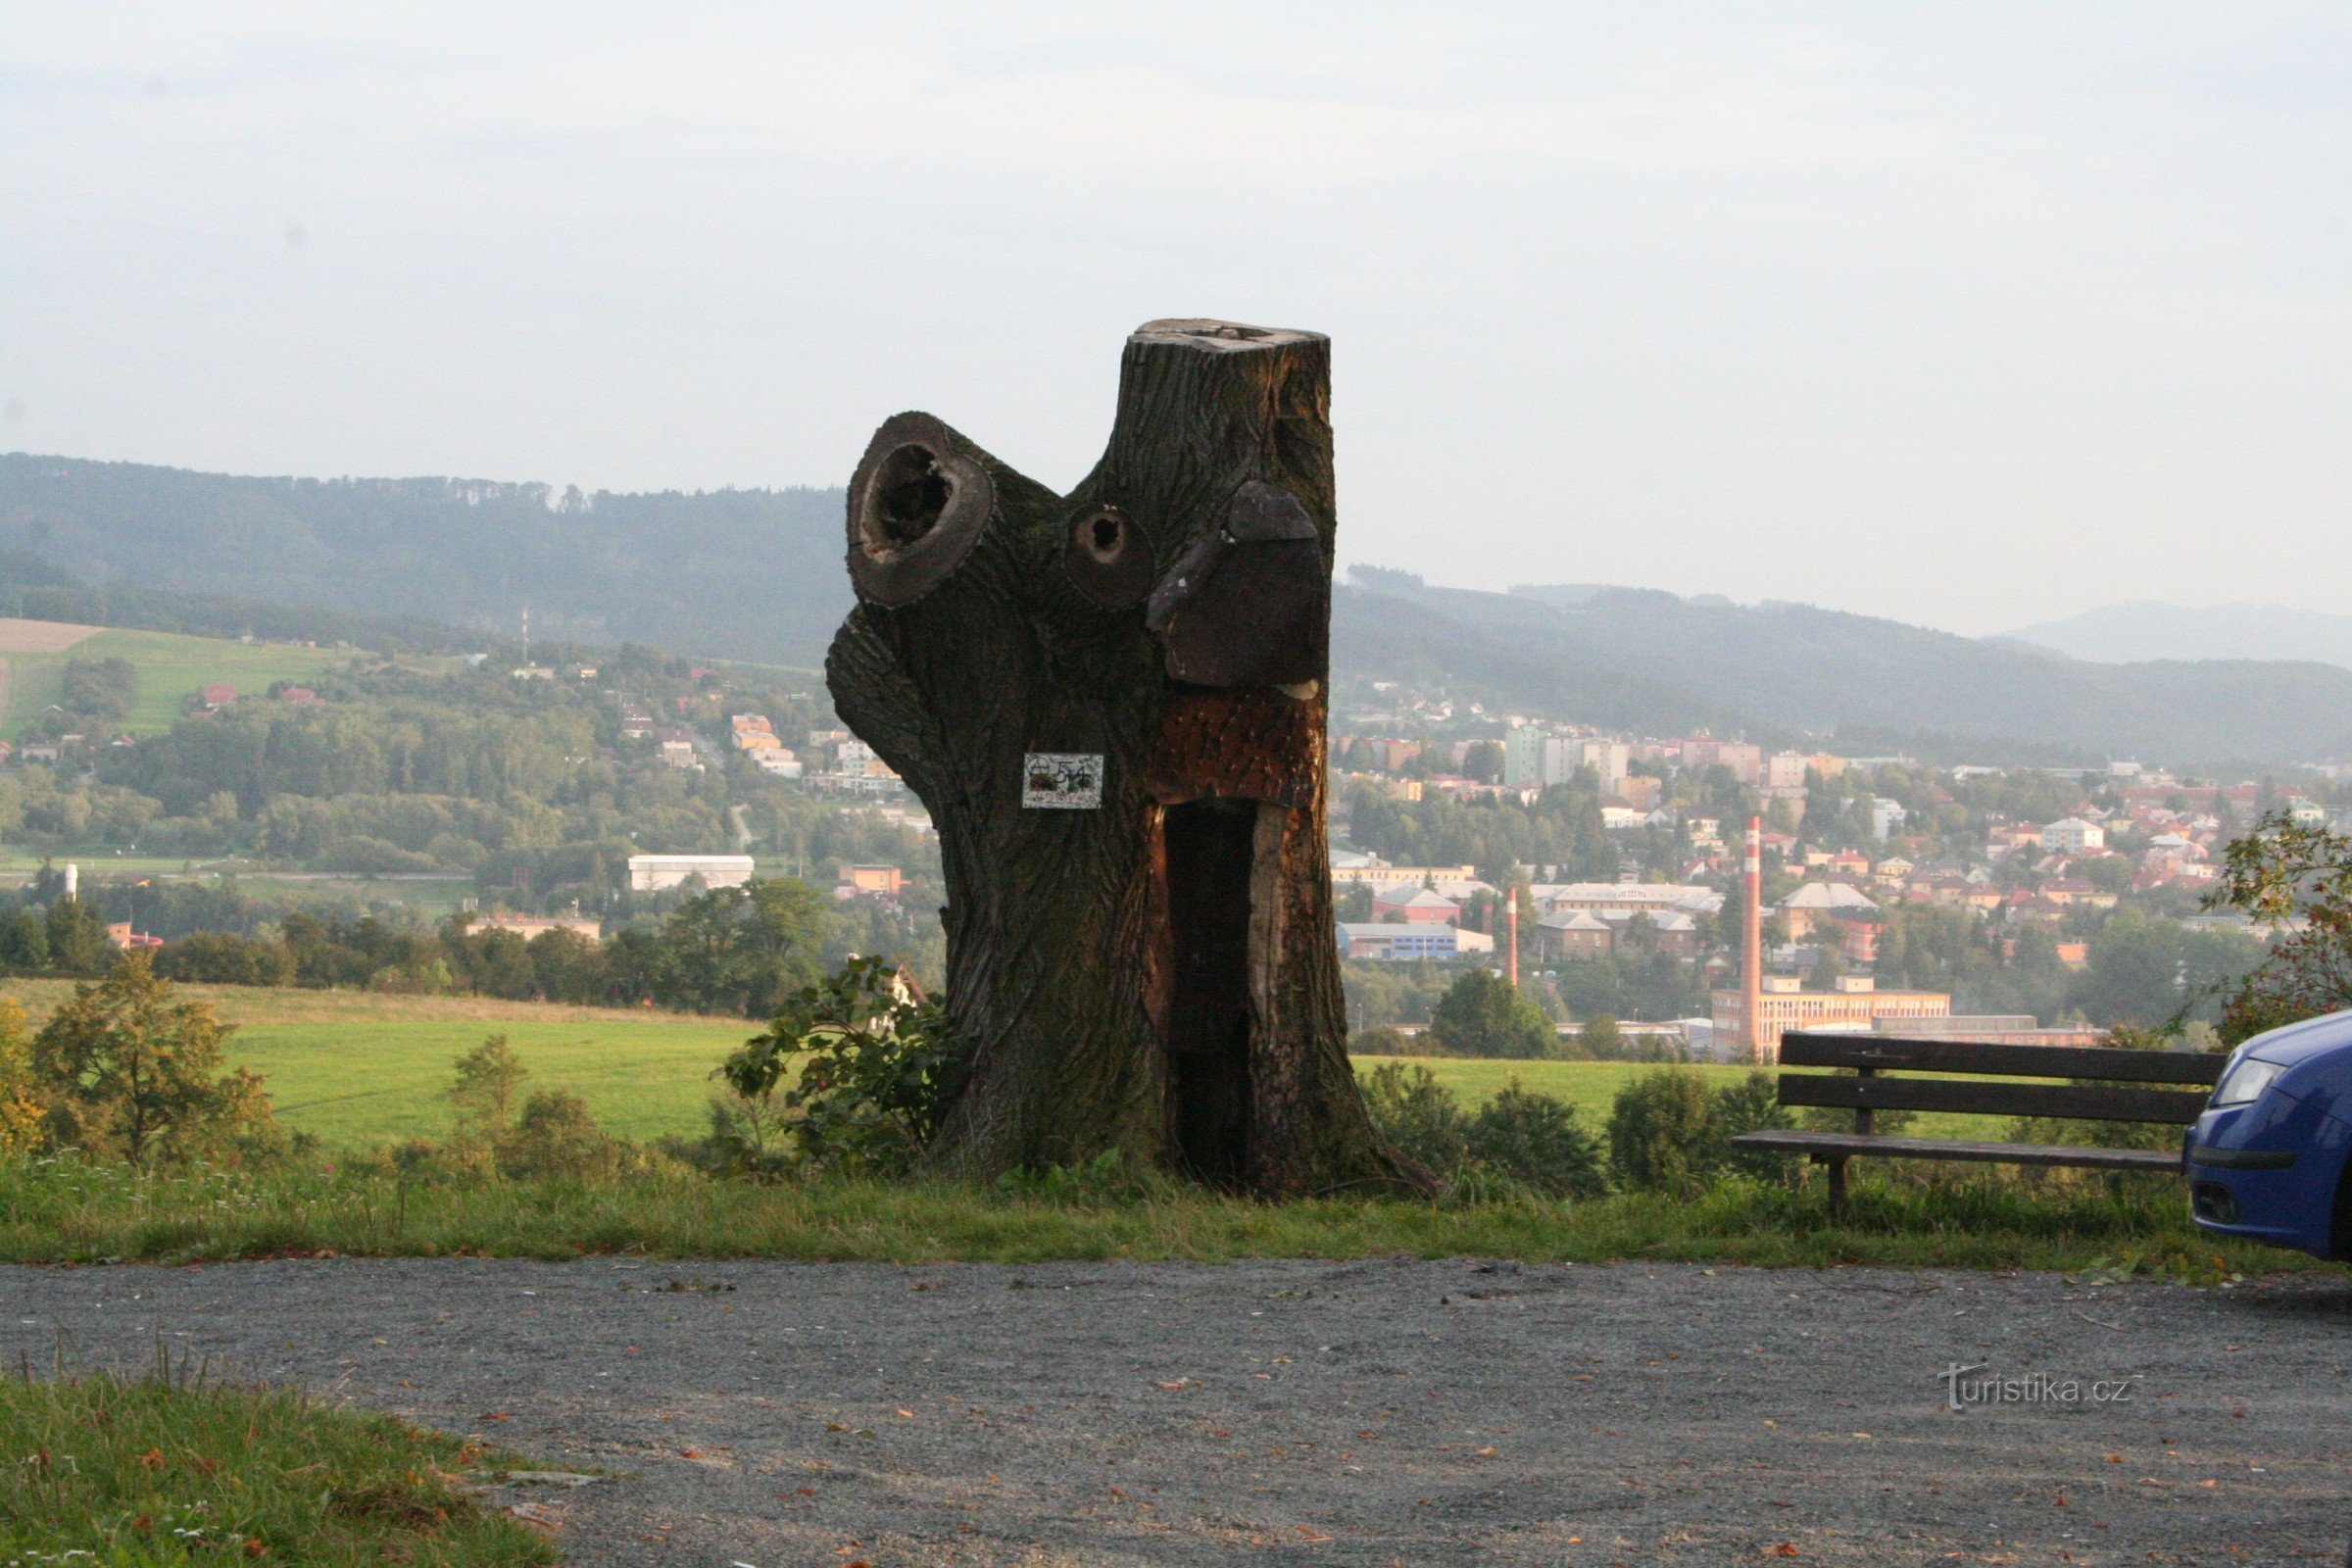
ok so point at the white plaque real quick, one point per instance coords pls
(1062, 781)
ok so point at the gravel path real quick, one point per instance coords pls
(1388, 1413)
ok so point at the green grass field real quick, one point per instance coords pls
(170, 668)
(356, 1069)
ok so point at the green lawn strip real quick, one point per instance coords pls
(175, 1469)
(365, 1082)
(66, 1211)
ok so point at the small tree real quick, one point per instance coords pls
(876, 1073)
(1600, 1039)
(2279, 872)
(75, 938)
(1483, 1016)
(129, 1071)
(489, 1077)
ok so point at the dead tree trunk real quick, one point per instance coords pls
(1112, 702)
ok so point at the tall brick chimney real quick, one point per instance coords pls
(1751, 945)
(1510, 959)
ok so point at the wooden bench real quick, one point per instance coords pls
(1869, 1057)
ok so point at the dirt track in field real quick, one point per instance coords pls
(42, 636)
(1384, 1412)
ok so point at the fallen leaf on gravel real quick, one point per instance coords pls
(690, 1453)
(906, 1415)
(2114, 1458)
(1786, 1549)
(1180, 1382)
(493, 1415)
(924, 1284)
(1485, 1453)
(2209, 1483)
(537, 1515)
(837, 1426)
(1864, 1436)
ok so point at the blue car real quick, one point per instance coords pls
(2268, 1159)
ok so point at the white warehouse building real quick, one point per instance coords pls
(651, 874)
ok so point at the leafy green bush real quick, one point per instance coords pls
(1417, 1115)
(854, 1071)
(1753, 1104)
(1664, 1132)
(1525, 1139)
(555, 1136)
(1381, 1040)
(1669, 1133)
(1535, 1139)
(550, 1133)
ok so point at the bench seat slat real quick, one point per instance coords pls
(1792, 1142)
(1896, 1052)
(2177, 1107)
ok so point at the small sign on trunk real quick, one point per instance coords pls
(1062, 781)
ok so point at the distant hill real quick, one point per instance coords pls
(756, 575)
(751, 575)
(2145, 629)
(1649, 660)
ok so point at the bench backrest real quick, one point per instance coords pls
(1871, 1054)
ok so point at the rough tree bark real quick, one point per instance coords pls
(1156, 974)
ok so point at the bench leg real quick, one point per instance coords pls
(1837, 1164)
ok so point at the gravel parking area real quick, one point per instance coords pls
(1383, 1413)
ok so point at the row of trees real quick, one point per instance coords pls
(733, 951)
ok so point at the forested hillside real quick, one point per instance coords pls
(751, 575)
(1653, 662)
(756, 574)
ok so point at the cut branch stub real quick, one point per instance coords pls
(917, 504)
(1250, 605)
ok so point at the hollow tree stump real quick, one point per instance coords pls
(1112, 702)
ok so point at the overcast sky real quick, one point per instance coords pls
(1971, 315)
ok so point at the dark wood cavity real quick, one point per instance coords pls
(1209, 848)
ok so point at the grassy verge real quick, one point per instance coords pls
(66, 1211)
(169, 1469)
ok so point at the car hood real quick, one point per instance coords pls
(2300, 1043)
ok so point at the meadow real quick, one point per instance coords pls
(172, 668)
(356, 1069)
